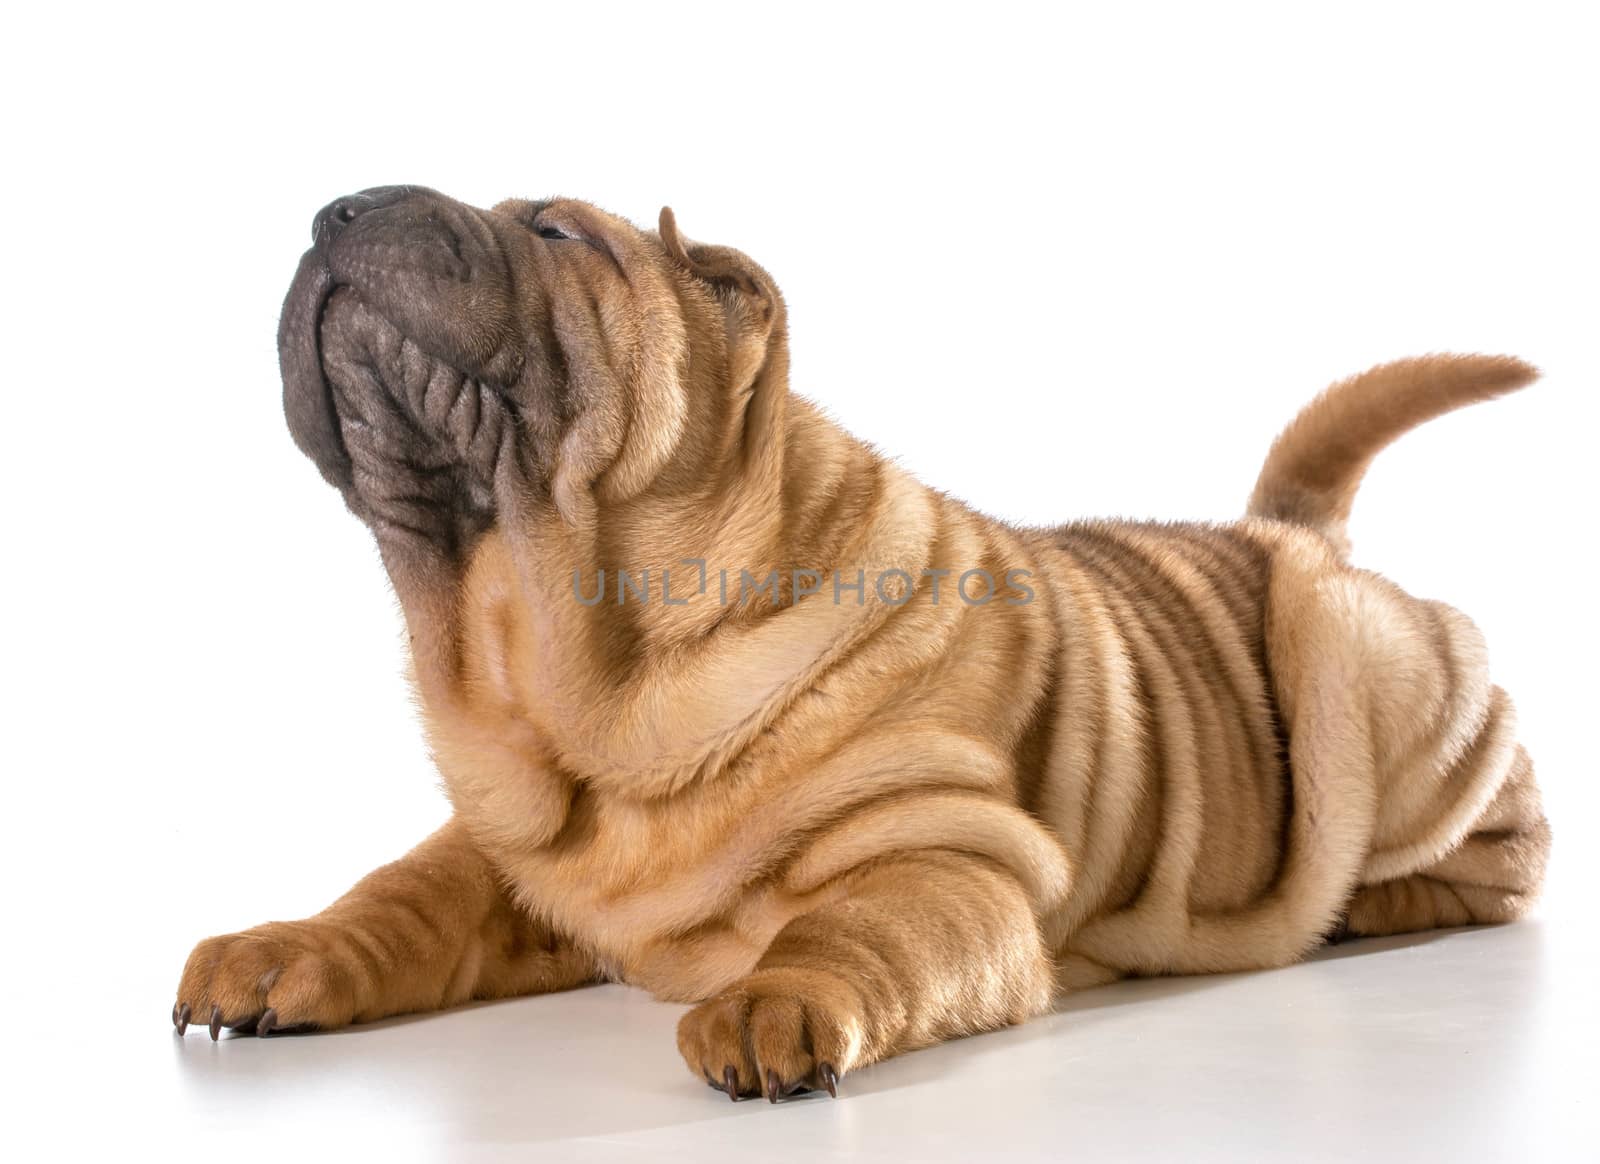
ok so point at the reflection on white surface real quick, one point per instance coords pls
(1466, 1044)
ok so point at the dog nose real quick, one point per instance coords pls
(335, 216)
(341, 212)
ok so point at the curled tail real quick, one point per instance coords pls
(1315, 466)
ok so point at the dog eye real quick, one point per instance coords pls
(553, 232)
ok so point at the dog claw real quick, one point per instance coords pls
(266, 1023)
(730, 1082)
(180, 1016)
(772, 1086)
(216, 1022)
(830, 1079)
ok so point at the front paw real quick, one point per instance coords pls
(774, 1033)
(278, 976)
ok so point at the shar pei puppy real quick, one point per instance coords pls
(731, 708)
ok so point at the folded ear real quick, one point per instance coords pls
(758, 355)
(722, 267)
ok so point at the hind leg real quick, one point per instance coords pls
(1492, 876)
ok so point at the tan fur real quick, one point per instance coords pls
(1316, 465)
(853, 830)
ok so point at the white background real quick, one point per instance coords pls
(1072, 262)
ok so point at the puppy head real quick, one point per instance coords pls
(445, 365)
